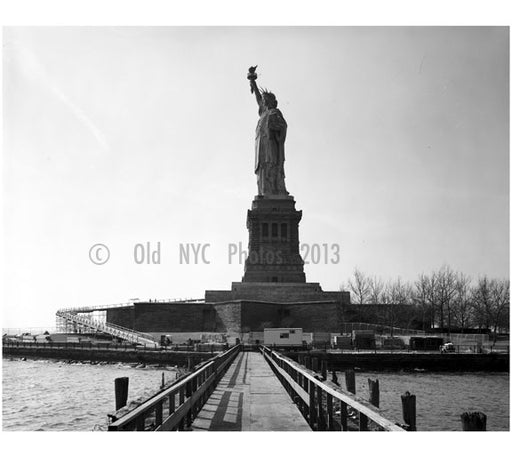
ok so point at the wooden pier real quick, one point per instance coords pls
(253, 391)
(250, 398)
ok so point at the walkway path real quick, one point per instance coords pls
(250, 398)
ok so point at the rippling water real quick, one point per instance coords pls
(442, 397)
(53, 395)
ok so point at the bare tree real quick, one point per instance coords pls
(444, 298)
(375, 289)
(491, 304)
(359, 286)
(400, 292)
(481, 295)
(397, 293)
(426, 294)
(462, 306)
(341, 306)
(500, 304)
(446, 289)
(421, 296)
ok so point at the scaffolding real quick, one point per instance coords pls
(69, 321)
(83, 319)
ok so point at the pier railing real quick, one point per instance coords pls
(176, 407)
(320, 403)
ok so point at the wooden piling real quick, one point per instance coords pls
(312, 407)
(335, 378)
(409, 410)
(373, 387)
(182, 396)
(350, 380)
(323, 369)
(321, 416)
(474, 421)
(363, 422)
(172, 404)
(140, 423)
(330, 414)
(307, 362)
(121, 391)
(163, 381)
(314, 363)
(301, 359)
(188, 393)
(159, 414)
(344, 416)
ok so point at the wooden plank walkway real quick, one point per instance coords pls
(250, 398)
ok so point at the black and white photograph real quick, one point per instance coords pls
(256, 228)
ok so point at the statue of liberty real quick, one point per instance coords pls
(270, 136)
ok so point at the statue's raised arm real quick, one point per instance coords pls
(252, 76)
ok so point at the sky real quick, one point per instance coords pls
(397, 150)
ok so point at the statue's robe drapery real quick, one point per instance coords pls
(269, 166)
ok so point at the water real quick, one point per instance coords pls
(441, 397)
(53, 395)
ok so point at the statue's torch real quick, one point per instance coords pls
(252, 76)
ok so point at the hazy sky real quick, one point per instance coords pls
(397, 150)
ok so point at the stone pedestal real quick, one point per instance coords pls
(273, 254)
(291, 292)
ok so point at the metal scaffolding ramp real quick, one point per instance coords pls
(72, 321)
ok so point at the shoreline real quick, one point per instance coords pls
(165, 358)
(413, 362)
(400, 361)
(149, 366)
